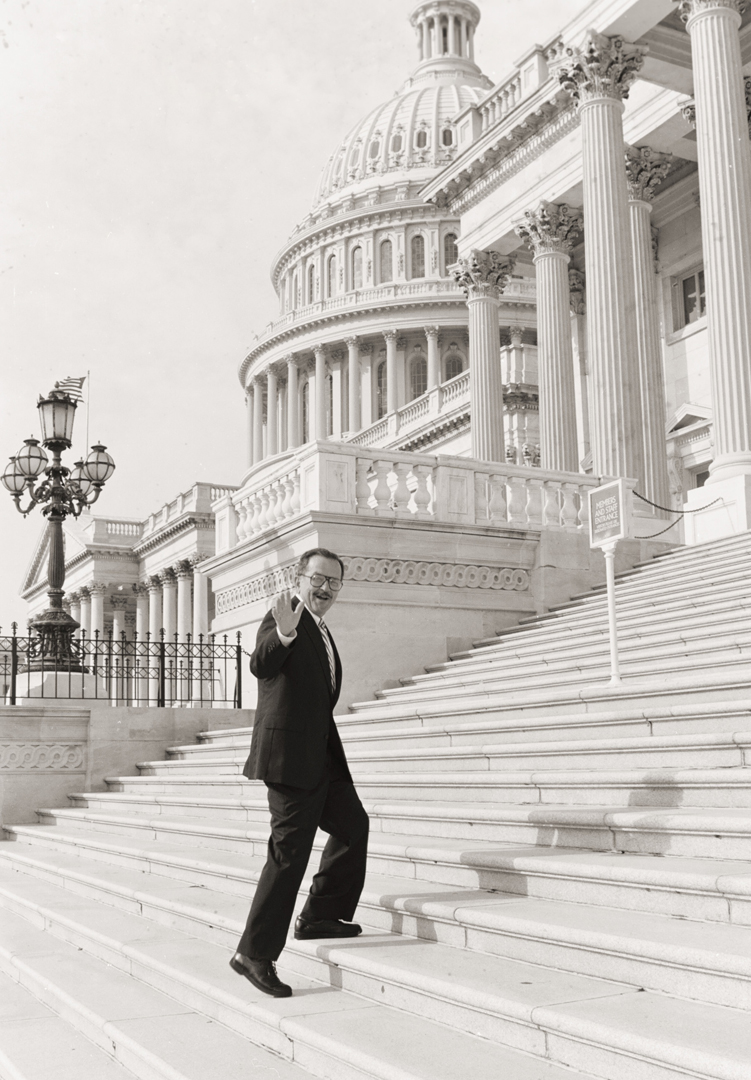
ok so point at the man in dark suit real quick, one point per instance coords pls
(296, 750)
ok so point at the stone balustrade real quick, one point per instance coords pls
(345, 479)
(443, 399)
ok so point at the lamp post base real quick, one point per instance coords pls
(54, 648)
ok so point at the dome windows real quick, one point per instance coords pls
(331, 276)
(396, 143)
(450, 250)
(357, 268)
(454, 362)
(418, 375)
(311, 283)
(387, 261)
(421, 139)
(374, 149)
(417, 251)
(381, 390)
(447, 137)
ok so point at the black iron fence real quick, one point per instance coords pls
(204, 672)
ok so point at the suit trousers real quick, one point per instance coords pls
(296, 814)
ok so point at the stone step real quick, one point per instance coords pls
(694, 750)
(36, 1044)
(332, 1032)
(670, 688)
(132, 1029)
(709, 889)
(709, 962)
(721, 833)
(632, 633)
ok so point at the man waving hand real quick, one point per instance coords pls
(296, 750)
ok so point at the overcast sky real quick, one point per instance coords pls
(156, 155)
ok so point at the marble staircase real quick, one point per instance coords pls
(559, 880)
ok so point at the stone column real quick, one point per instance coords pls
(184, 573)
(598, 78)
(150, 659)
(353, 375)
(249, 423)
(293, 401)
(392, 390)
(549, 231)
(119, 604)
(85, 613)
(319, 406)
(724, 157)
(257, 421)
(169, 603)
(434, 361)
(142, 611)
(645, 170)
(484, 275)
(272, 406)
(97, 589)
(74, 599)
(155, 607)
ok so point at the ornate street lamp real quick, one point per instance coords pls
(64, 493)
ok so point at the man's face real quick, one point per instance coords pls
(319, 598)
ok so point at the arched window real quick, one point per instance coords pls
(450, 250)
(454, 362)
(421, 139)
(387, 261)
(418, 375)
(357, 268)
(418, 256)
(295, 292)
(331, 276)
(396, 143)
(329, 403)
(311, 283)
(381, 390)
(305, 411)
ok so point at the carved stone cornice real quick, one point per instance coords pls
(483, 274)
(645, 170)
(605, 68)
(576, 285)
(688, 8)
(550, 228)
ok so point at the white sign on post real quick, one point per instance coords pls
(609, 522)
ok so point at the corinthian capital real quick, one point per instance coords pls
(483, 273)
(645, 170)
(604, 68)
(549, 228)
(687, 8)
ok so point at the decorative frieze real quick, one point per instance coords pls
(409, 572)
(645, 170)
(605, 68)
(41, 757)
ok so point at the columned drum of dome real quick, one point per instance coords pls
(368, 270)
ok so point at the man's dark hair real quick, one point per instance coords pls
(302, 562)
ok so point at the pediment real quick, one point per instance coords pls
(73, 543)
(687, 415)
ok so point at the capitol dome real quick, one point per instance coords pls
(411, 135)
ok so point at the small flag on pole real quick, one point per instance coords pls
(72, 387)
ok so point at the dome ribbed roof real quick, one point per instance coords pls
(410, 137)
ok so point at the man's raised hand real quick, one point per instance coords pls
(285, 618)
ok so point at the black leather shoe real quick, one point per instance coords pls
(325, 928)
(262, 973)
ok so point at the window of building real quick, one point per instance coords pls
(387, 261)
(331, 276)
(450, 250)
(375, 148)
(454, 362)
(381, 390)
(396, 143)
(311, 283)
(329, 403)
(418, 375)
(693, 296)
(295, 292)
(445, 38)
(357, 268)
(305, 395)
(421, 139)
(418, 256)
(448, 137)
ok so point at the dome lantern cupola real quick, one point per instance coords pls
(445, 33)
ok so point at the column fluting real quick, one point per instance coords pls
(353, 378)
(434, 362)
(293, 423)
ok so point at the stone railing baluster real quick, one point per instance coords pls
(401, 494)
(421, 496)
(517, 500)
(362, 486)
(551, 504)
(497, 510)
(570, 513)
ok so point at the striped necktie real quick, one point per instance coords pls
(329, 651)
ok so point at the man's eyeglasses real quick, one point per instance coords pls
(317, 581)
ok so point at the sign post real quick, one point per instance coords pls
(609, 522)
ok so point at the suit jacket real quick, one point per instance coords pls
(294, 723)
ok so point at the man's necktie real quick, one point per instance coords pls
(329, 652)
